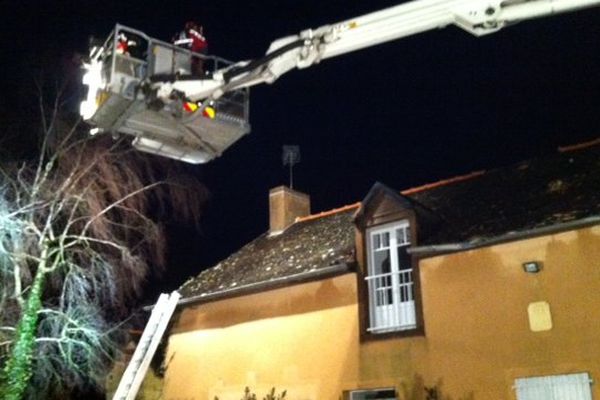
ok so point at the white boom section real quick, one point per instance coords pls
(155, 328)
(478, 17)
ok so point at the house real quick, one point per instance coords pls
(483, 286)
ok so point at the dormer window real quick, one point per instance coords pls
(390, 278)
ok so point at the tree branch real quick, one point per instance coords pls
(116, 203)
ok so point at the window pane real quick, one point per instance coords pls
(385, 236)
(404, 275)
(403, 258)
(381, 240)
(401, 236)
(376, 241)
(381, 278)
(382, 262)
(383, 292)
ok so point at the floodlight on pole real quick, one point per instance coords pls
(291, 157)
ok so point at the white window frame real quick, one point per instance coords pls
(360, 394)
(554, 387)
(391, 293)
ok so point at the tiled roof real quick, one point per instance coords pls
(532, 194)
(304, 247)
(538, 193)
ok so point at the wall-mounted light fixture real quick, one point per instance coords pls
(532, 267)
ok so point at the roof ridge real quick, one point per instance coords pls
(443, 182)
(578, 146)
(329, 212)
(417, 189)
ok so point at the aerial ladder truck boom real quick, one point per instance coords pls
(144, 97)
(311, 46)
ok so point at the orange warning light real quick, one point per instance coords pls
(208, 112)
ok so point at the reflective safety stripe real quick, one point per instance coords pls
(183, 41)
(209, 112)
(190, 107)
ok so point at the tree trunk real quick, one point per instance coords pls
(18, 368)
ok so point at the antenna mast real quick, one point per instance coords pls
(291, 157)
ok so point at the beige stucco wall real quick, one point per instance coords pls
(305, 338)
(475, 306)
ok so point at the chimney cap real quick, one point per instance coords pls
(284, 188)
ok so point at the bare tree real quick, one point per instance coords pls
(78, 231)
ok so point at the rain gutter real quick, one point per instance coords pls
(303, 277)
(441, 249)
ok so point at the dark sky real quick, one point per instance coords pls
(404, 113)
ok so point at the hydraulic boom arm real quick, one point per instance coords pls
(479, 17)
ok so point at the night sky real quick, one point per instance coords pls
(405, 113)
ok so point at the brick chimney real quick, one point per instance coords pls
(285, 205)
